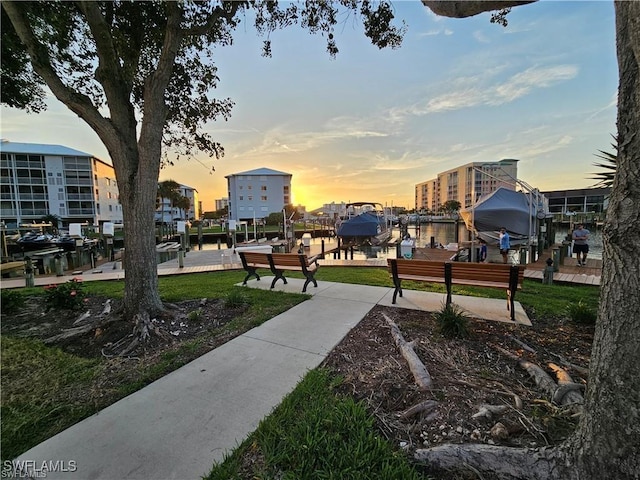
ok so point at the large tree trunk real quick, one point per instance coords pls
(137, 195)
(607, 441)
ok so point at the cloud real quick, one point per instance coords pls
(469, 92)
(481, 37)
(523, 83)
(284, 139)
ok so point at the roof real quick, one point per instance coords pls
(259, 171)
(40, 149)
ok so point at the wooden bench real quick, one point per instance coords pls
(494, 275)
(8, 268)
(278, 263)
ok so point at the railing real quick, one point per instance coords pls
(81, 211)
(79, 196)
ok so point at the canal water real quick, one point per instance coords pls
(442, 233)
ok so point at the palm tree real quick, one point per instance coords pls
(184, 204)
(605, 179)
(54, 220)
(170, 190)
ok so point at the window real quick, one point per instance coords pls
(240, 187)
(249, 187)
(250, 198)
(285, 189)
(240, 197)
(263, 198)
(263, 188)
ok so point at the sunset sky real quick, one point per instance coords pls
(370, 124)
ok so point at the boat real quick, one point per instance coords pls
(364, 223)
(516, 211)
(33, 241)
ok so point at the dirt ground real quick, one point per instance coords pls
(466, 374)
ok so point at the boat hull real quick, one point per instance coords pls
(364, 228)
(502, 208)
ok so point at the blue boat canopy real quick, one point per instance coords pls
(364, 225)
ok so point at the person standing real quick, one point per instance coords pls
(482, 257)
(505, 244)
(580, 238)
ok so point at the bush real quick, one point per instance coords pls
(235, 298)
(582, 313)
(12, 301)
(68, 296)
(452, 322)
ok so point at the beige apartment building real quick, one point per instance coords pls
(466, 182)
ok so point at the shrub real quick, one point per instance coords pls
(235, 298)
(68, 296)
(452, 322)
(195, 315)
(12, 301)
(581, 313)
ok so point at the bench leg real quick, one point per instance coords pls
(279, 274)
(309, 280)
(251, 273)
(511, 304)
(397, 291)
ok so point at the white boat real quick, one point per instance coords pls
(364, 223)
(518, 212)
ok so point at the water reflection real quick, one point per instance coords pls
(442, 234)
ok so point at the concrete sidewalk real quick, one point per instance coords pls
(178, 426)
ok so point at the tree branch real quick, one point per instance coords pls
(109, 72)
(469, 8)
(78, 103)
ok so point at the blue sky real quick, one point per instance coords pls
(372, 123)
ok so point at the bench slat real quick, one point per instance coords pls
(278, 263)
(509, 277)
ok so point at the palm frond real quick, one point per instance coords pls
(605, 179)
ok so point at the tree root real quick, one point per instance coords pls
(81, 330)
(488, 411)
(425, 406)
(419, 371)
(564, 393)
(501, 463)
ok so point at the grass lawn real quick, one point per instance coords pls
(43, 388)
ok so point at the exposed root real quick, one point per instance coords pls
(488, 411)
(419, 371)
(501, 463)
(425, 406)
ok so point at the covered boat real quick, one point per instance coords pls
(516, 211)
(364, 224)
